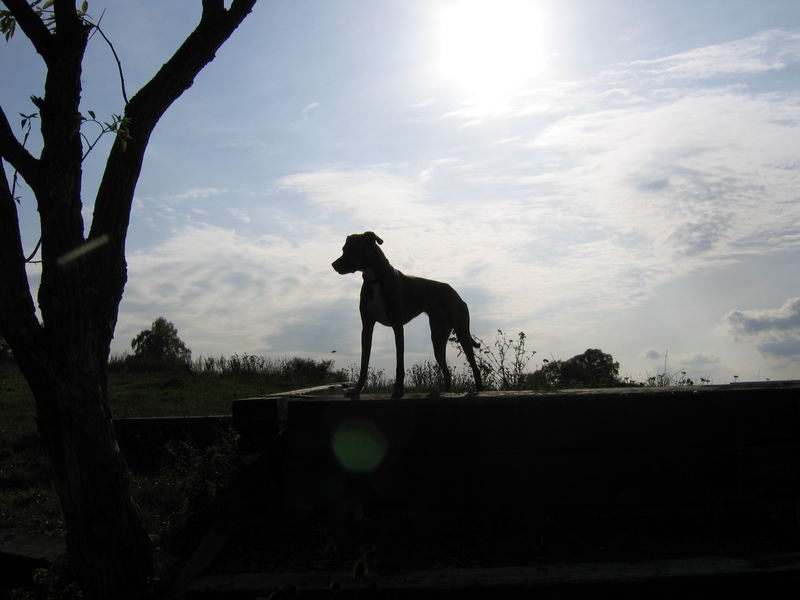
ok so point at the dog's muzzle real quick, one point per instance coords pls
(340, 266)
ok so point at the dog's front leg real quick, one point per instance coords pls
(400, 372)
(367, 327)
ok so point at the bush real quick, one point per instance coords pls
(181, 498)
(310, 371)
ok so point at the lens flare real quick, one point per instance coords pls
(359, 445)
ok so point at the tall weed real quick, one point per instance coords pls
(503, 364)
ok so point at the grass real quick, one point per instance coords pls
(28, 499)
(205, 387)
(172, 395)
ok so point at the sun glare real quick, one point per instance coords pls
(491, 47)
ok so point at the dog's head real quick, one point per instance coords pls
(358, 253)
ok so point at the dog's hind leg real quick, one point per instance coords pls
(468, 344)
(440, 332)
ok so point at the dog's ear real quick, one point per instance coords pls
(371, 235)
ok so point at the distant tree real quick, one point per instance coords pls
(593, 368)
(160, 345)
(546, 378)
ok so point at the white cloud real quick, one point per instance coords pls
(671, 180)
(240, 215)
(783, 319)
(766, 51)
(424, 103)
(698, 175)
(698, 361)
(428, 172)
(775, 331)
(369, 198)
(310, 108)
(196, 194)
(228, 293)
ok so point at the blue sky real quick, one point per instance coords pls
(608, 174)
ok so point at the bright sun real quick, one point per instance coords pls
(490, 47)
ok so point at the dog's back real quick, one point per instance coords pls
(431, 297)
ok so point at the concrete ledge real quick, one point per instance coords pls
(715, 573)
(633, 446)
(590, 473)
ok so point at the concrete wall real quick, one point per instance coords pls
(691, 469)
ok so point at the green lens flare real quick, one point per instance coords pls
(359, 445)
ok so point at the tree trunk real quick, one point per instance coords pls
(64, 356)
(107, 544)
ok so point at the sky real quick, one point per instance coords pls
(613, 174)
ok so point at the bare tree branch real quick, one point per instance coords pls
(116, 58)
(15, 153)
(31, 26)
(213, 5)
(112, 205)
(17, 312)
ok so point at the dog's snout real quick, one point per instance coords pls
(340, 267)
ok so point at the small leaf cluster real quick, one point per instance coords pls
(118, 124)
(8, 24)
(44, 10)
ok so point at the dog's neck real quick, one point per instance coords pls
(379, 268)
(370, 275)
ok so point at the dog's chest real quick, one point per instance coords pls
(375, 303)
